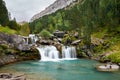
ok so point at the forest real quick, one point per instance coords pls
(95, 20)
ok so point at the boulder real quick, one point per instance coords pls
(9, 76)
(5, 75)
(76, 42)
(107, 67)
(23, 47)
(11, 38)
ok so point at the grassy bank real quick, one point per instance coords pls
(107, 43)
(7, 30)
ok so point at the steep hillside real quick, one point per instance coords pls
(97, 21)
(58, 4)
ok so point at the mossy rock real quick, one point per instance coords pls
(4, 46)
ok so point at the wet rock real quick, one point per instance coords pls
(5, 75)
(9, 76)
(6, 59)
(20, 77)
(44, 42)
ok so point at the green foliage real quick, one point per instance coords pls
(87, 17)
(3, 48)
(4, 19)
(69, 37)
(45, 34)
(7, 30)
(13, 25)
(114, 57)
(24, 29)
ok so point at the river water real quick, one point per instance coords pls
(81, 69)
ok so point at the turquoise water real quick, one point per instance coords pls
(63, 70)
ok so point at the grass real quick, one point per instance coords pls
(114, 57)
(7, 30)
(112, 39)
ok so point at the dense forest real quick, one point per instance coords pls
(97, 21)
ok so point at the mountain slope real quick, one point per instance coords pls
(58, 4)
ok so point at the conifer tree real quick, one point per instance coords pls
(4, 19)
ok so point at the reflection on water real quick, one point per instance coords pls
(62, 70)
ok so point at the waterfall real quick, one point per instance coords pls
(33, 38)
(68, 52)
(48, 53)
(25, 40)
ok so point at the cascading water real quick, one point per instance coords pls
(33, 38)
(48, 53)
(68, 52)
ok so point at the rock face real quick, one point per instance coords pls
(14, 41)
(13, 49)
(58, 4)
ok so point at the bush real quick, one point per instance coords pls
(45, 34)
(114, 57)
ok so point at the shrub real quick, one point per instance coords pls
(114, 57)
(45, 34)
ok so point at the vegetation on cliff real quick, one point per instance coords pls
(97, 21)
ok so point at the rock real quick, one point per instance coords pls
(5, 75)
(107, 67)
(6, 59)
(59, 34)
(9, 76)
(20, 77)
(23, 47)
(44, 42)
(76, 42)
(11, 38)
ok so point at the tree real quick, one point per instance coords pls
(13, 25)
(4, 18)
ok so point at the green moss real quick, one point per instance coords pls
(3, 46)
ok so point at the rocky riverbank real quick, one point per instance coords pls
(13, 49)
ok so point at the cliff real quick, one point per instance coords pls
(58, 4)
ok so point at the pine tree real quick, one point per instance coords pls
(4, 19)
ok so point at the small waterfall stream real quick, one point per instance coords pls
(50, 53)
(33, 38)
(68, 52)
